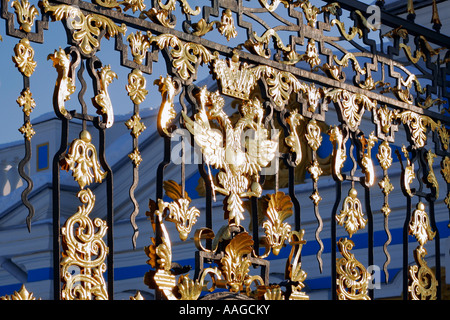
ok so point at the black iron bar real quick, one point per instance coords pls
(437, 249)
(333, 239)
(56, 223)
(405, 248)
(370, 243)
(110, 207)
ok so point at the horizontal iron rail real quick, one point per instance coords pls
(252, 58)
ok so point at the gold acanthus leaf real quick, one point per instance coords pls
(185, 54)
(173, 190)
(279, 209)
(86, 28)
(139, 44)
(22, 294)
(134, 5)
(351, 214)
(235, 264)
(419, 225)
(82, 160)
(25, 14)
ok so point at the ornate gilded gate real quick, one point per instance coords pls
(268, 99)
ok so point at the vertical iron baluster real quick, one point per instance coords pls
(160, 194)
(56, 223)
(370, 242)
(294, 199)
(208, 199)
(334, 239)
(437, 248)
(110, 208)
(24, 162)
(254, 206)
(405, 247)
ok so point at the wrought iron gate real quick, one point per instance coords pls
(266, 99)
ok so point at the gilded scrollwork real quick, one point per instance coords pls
(84, 250)
(366, 160)
(159, 16)
(134, 5)
(265, 38)
(185, 54)
(171, 6)
(387, 187)
(65, 83)
(431, 177)
(344, 62)
(352, 105)
(86, 28)
(417, 125)
(408, 175)
(102, 100)
(311, 55)
(294, 271)
(274, 5)
(168, 88)
(445, 168)
(353, 30)
(352, 277)
(315, 170)
(422, 281)
(385, 159)
(339, 151)
(385, 117)
(280, 84)
(293, 140)
(422, 284)
(225, 26)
